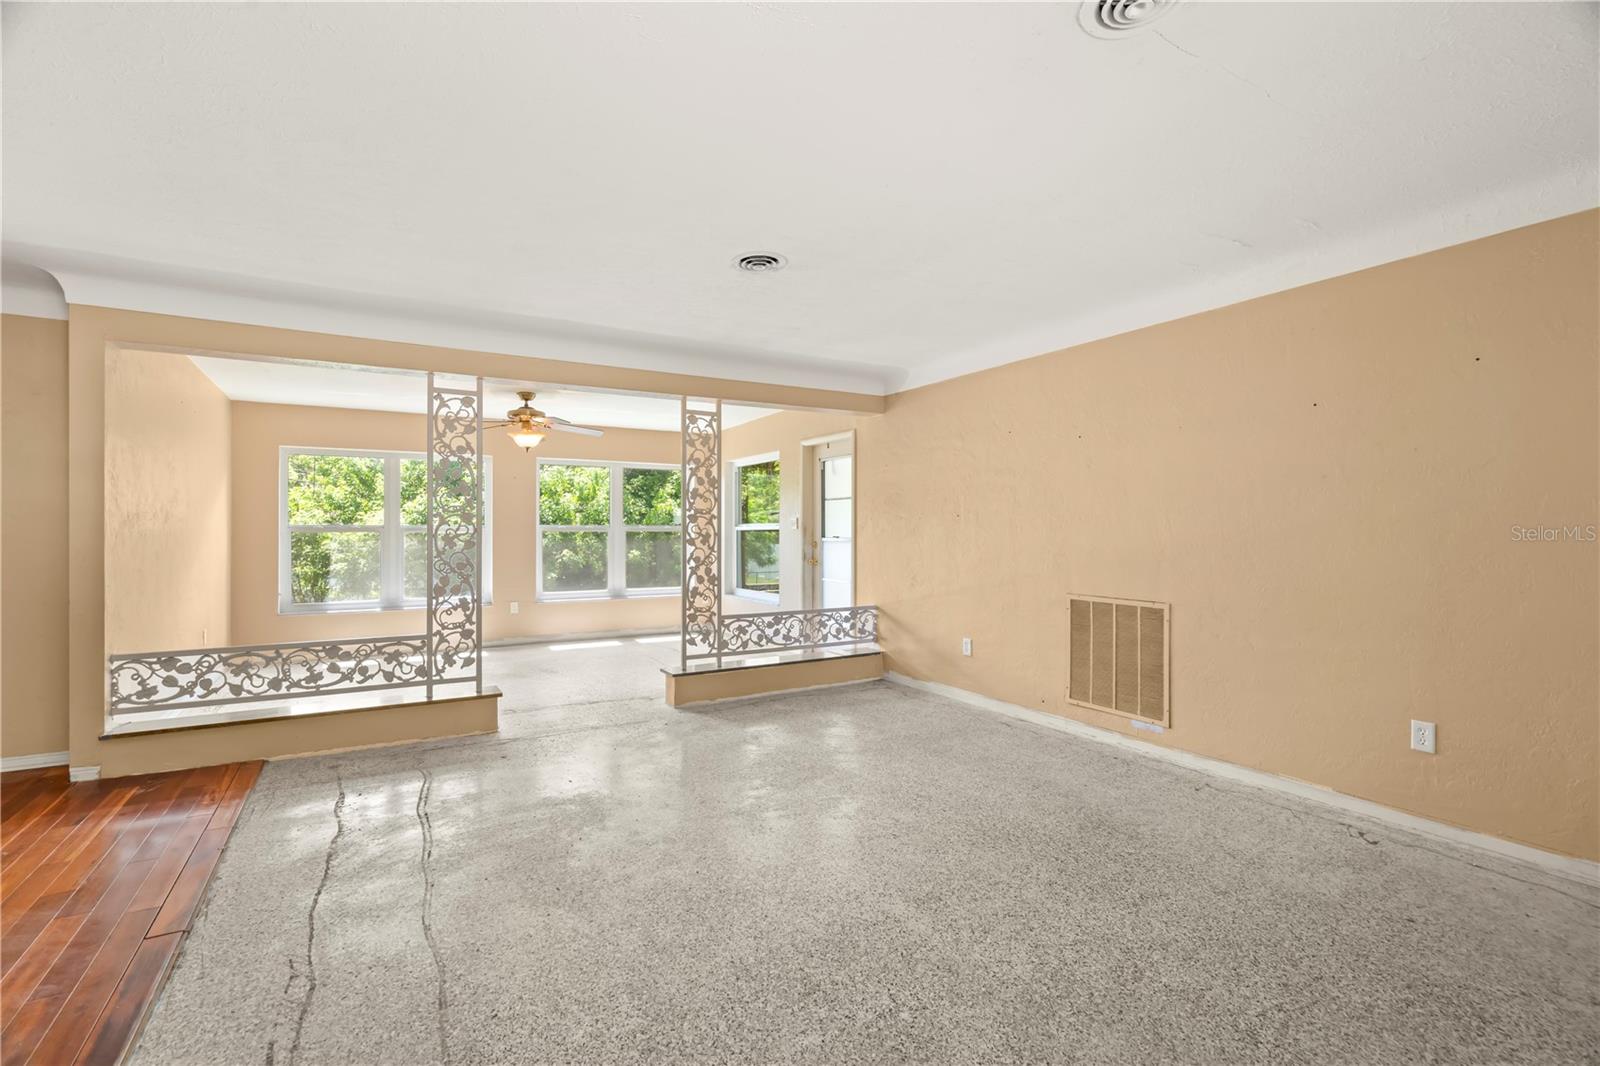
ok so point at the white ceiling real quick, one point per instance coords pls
(955, 185)
(357, 388)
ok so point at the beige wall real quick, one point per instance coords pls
(33, 548)
(272, 738)
(709, 686)
(167, 493)
(259, 430)
(1324, 484)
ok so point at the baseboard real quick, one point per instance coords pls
(34, 762)
(83, 773)
(573, 638)
(726, 700)
(1584, 871)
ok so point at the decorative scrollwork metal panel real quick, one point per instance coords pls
(208, 677)
(789, 630)
(702, 531)
(455, 533)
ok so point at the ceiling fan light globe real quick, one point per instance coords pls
(526, 438)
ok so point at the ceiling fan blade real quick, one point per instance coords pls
(567, 427)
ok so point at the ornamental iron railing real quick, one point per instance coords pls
(455, 534)
(449, 652)
(701, 482)
(208, 677)
(829, 627)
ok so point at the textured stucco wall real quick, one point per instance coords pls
(167, 499)
(1324, 484)
(33, 548)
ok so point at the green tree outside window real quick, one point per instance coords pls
(756, 533)
(344, 563)
(579, 532)
(334, 490)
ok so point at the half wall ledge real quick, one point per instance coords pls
(180, 743)
(761, 675)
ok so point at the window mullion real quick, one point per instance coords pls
(285, 580)
(616, 540)
(389, 562)
(732, 543)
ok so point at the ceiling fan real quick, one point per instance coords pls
(528, 425)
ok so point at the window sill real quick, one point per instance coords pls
(606, 597)
(292, 612)
(754, 597)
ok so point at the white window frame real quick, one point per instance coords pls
(391, 542)
(616, 536)
(734, 527)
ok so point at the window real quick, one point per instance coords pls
(608, 529)
(755, 528)
(354, 531)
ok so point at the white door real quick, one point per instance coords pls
(836, 531)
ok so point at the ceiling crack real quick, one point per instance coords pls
(1235, 75)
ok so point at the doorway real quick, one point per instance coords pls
(833, 548)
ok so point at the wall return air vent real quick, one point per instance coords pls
(1118, 656)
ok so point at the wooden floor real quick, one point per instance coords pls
(98, 884)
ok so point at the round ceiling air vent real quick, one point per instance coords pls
(1117, 18)
(761, 262)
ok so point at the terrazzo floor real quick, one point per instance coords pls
(862, 874)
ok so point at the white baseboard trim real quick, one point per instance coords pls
(33, 762)
(1582, 871)
(575, 638)
(83, 773)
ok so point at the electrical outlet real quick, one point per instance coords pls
(515, 606)
(966, 645)
(1424, 737)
